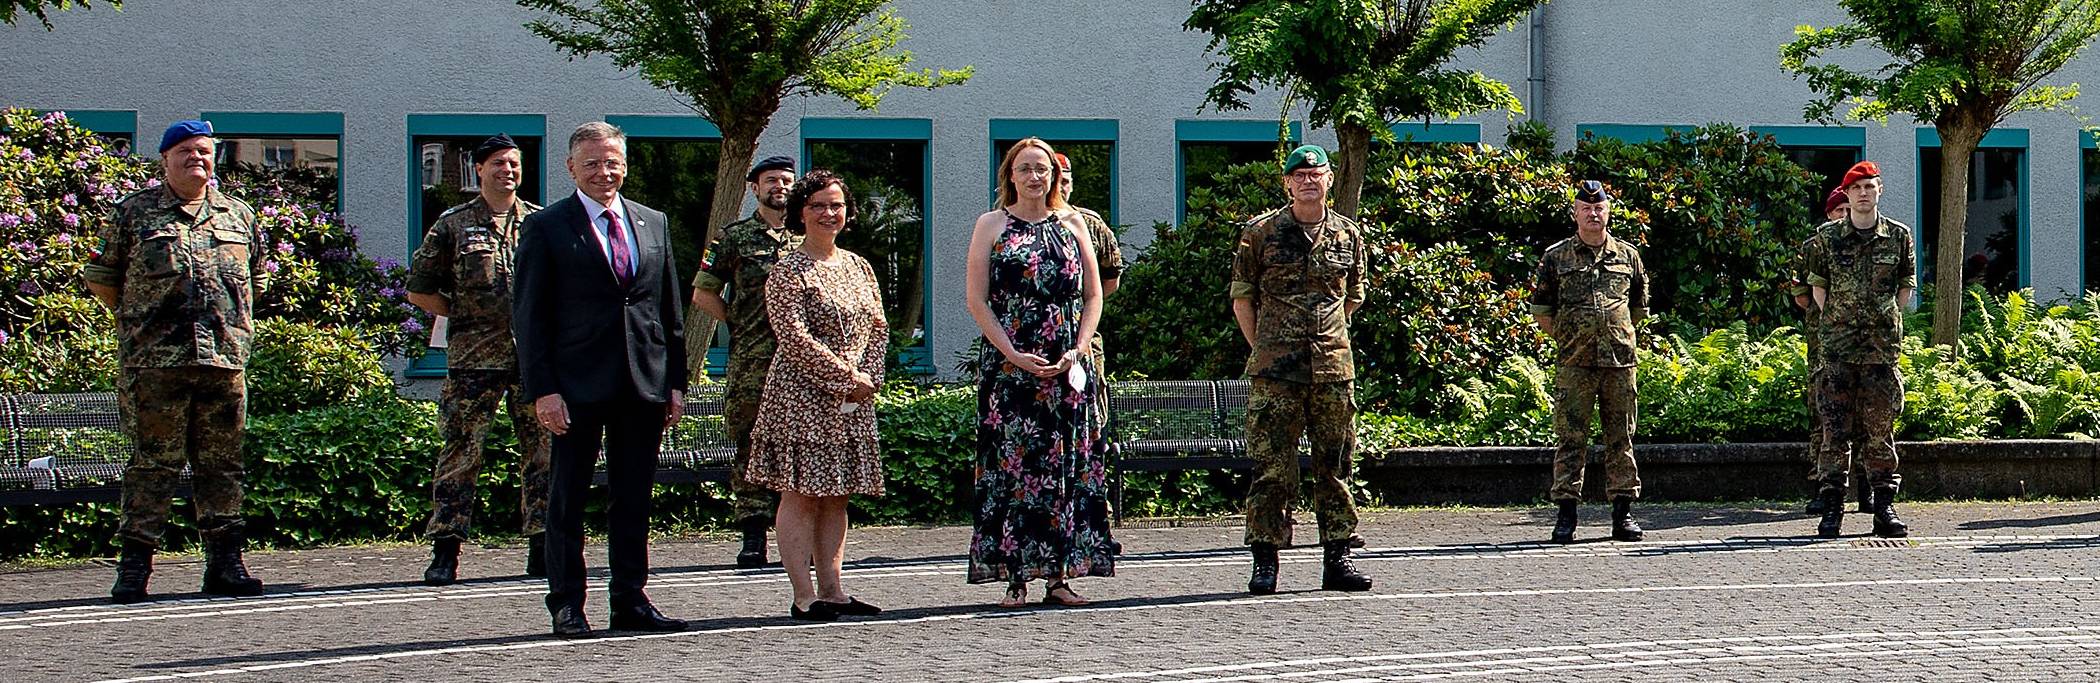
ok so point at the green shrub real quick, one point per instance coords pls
(1725, 387)
(296, 366)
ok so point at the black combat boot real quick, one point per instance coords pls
(536, 555)
(133, 566)
(753, 555)
(224, 572)
(1833, 512)
(1623, 528)
(1815, 498)
(1886, 525)
(444, 562)
(1337, 572)
(1863, 492)
(1564, 523)
(1264, 580)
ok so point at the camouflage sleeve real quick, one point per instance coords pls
(1815, 264)
(717, 264)
(1545, 288)
(1637, 292)
(1356, 275)
(429, 269)
(1246, 263)
(1106, 251)
(1797, 272)
(106, 265)
(1909, 263)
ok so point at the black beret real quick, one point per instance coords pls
(772, 163)
(489, 147)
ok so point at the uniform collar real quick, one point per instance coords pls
(1881, 227)
(1610, 241)
(213, 201)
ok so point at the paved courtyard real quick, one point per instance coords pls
(1981, 592)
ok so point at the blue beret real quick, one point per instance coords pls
(183, 130)
(1591, 192)
(489, 147)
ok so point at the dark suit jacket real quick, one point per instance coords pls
(580, 334)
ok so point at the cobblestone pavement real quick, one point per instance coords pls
(1982, 592)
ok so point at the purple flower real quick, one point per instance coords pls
(386, 264)
(30, 289)
(69, 200)
(150, 182)
(8, 220)
(3, 336)
(411, 326)
(53, 117)
(387, 292)
(284, 248)
(80, 165)
(67, 238)
(72, 220)
(270, 266)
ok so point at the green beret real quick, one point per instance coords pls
(1305, 156)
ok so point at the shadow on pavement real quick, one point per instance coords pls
(2059, 520)
(2086, 544)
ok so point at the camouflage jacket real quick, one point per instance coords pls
(1595, 295)
(185, 281)
(1861, 273)
(740, 259)
(467, 257)
(1302, 279)
(1107, 252)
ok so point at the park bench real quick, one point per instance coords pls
(1175, 425)
(67, 448)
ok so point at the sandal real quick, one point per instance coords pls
(1016, 596)
(1070, 598)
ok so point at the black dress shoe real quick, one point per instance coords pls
(853, 607)
(818, 611)
(644, 617)
(569, 623)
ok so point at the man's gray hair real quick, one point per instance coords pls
(597, 130)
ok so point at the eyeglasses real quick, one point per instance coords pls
(826, 207)
(1307, 178)
(1031, 169)
(596, 165)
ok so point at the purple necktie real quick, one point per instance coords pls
(616, 242)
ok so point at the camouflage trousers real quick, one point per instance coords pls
(192, 416)
(469, 401)
(1857, 405)
(1608, 394)
(739, 411)
(1279, 412)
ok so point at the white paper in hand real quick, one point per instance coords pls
(848, 408)
(1076, 377)
(438, 331)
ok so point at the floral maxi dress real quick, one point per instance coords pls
(1042, 465)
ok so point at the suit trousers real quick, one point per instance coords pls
(631, 431)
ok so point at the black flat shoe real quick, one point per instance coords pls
(853, 607)
(569, 623)
(818, 611)
(644, 617)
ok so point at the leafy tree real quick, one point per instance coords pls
(1963, 65)
(12, 10)
(1361, 64)
(734, 61)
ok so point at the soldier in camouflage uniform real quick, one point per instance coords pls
(177, 264)
(1862, 270)
(1106, 252)
(1833, 209)
(462, 271)
(1590, 291)
(1297, 279)
(739, 260)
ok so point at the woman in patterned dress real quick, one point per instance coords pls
(814, 440)
(1042, 475)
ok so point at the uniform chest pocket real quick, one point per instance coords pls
(477, 263)
(230, 251)
(1338, 256)
(160, 252)
(1884, 272)
(1613, 279)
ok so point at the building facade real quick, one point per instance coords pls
(392, 95)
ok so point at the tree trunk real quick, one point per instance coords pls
(726, 207)
(1958, 143)
(1351, 162)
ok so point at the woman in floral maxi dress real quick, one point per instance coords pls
(1042, 471)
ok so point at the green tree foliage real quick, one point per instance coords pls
(1359, 64)
(735, 61)
(12, 11)
(1963, 66)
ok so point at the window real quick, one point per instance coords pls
(2089, 212)
(1204, 148)
(1994, 245)
(886, 164)
(304, 141)
(1627, 132)
(1089, 143)
(1414, 132)
(436, 184)
(671, 167)
(1826, 151)
(118, 129)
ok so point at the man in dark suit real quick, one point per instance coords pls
(601, 352)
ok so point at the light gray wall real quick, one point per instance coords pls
(1624, 61)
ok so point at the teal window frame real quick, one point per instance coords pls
(918, 359)
(2000, 138)
(1066, 130)
(677, 127)
(105, 122)
(1218, 130)
(432, 364)
(1456, 133)
(1816, 136)
(273, 124)
(2087, 139)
